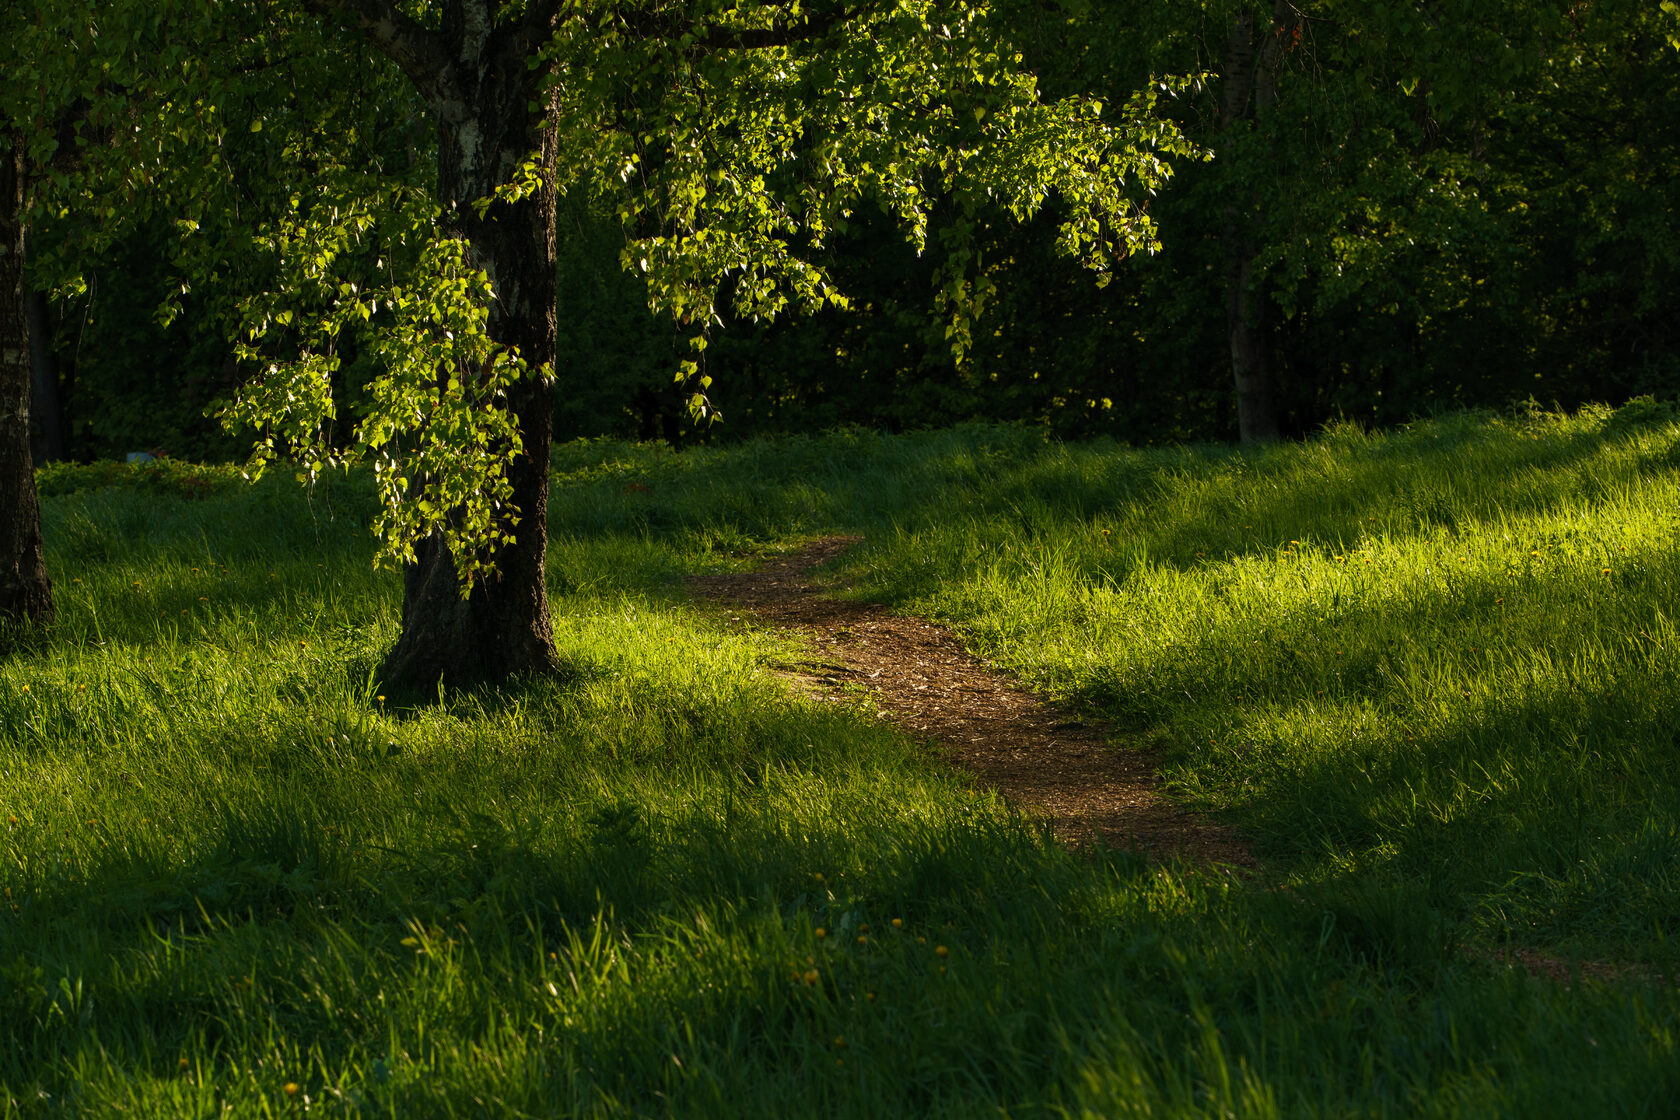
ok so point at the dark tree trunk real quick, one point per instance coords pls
(25, 590)
(1251, 351)
(1249, 87)
(486, 129)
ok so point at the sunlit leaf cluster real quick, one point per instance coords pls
(733, 168)
(435, 427)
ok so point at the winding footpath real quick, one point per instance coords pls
(1073, 771)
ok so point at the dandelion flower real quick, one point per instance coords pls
(821, 933)
(942, 951)
(898, 923)
(290, 1088)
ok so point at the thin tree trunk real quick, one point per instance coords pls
(1251, 351)
(25, 590)
(1249, 86)
(502, 628)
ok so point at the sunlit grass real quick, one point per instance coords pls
(236, 877)
(1448, 654)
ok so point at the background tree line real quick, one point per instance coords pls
(1414, 206)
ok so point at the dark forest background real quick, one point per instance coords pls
(1418, 211)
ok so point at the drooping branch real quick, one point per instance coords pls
(418, 52)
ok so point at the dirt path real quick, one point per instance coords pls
(1035, 755)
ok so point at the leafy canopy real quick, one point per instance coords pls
(733, 138)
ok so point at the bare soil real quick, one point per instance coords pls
(1088, 780)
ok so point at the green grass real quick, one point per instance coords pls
(234, 868)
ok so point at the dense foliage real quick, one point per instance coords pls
(1458, 209)
(1458, 205)
(165, 139)
(732, 143)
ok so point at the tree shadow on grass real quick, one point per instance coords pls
(552, 930)
(1532, 794)
(1372, 653)
(657, 958)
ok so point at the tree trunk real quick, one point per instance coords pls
(502, 628)
(1251, 351)
(25, 590)
(1249, 85)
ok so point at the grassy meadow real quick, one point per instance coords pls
(1432, 675)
